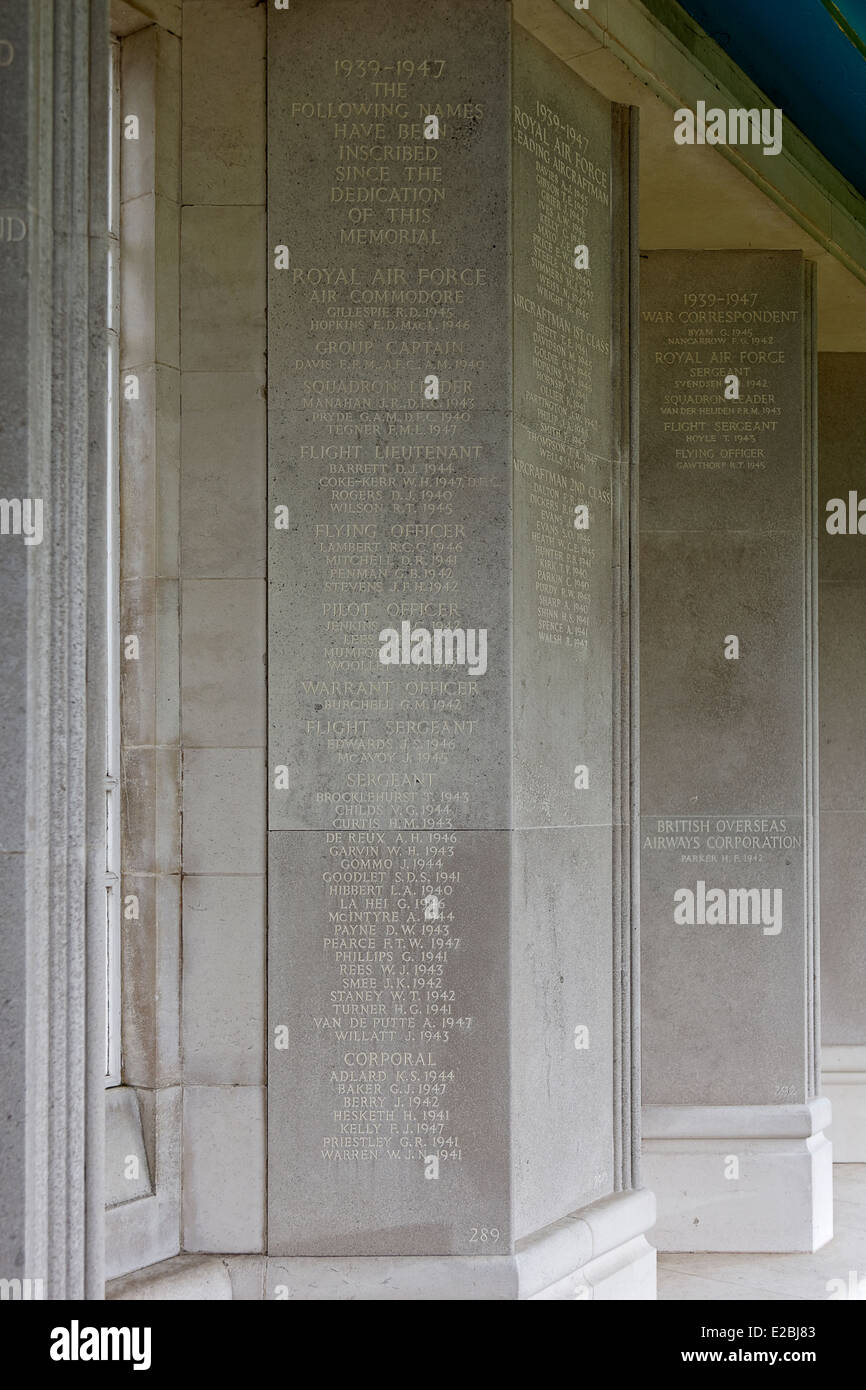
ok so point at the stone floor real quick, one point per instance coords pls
(778, 1277)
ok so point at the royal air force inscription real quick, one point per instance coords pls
(391, 363)
(394, 392)
(719, 360)
(706, 339)
(416, 565)
(554, 301)
(390, 385)
(393, 379)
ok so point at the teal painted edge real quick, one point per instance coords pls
(847, 29)
(719, 64)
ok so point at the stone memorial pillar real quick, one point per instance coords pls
(450, 959)
(842, 628)
(53, 98)
(734, 1146)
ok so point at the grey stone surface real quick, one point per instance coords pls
(127, 1174)
(700, 471)
(567, 454)
(779, 1197)
(724, 1005)
(423, 497)
(840, 422)
(843, 895)
(16, 153)
(223, 283)
(223, 811)
(430, 479)
(150, 709)
(223, 112)
(223, 979)
(599, 1253)
(19, 282)
(842, 627)
(224, 1168)
(146, 1231)
(224, 507)
(247, 1275)
(149, 279)
(223, 657)
(843, 678)
(726, 745)
(13, 1137)
(52, 734)
(150, 475)
(563, 1095)
(150, 88)
(414, 782)
(151, 949)
(187, 1278)
(397, 1045)
(565, 443)
(708, 743)
(339, 712)
(150, 810)
(131, 15)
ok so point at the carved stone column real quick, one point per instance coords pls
(452, 987)
(53, 87)
(733, 1125)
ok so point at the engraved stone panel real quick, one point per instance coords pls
(568, 327)
(564, 443)
(441, 633)
(726, 740)
(398, 505)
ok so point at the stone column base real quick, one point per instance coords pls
(183, 1278)
(740, 1177)
(843, 1082)
(600, 1252)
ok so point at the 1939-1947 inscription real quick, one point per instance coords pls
(391, 295)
